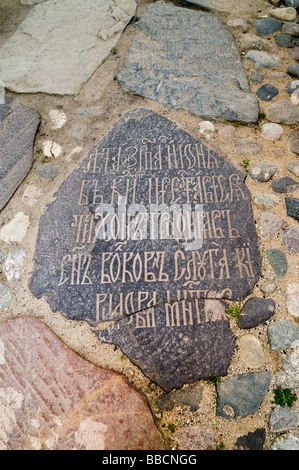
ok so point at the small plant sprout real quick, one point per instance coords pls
(214, 378)
(171, 427)
(284, 397)
(234, 310)
(262, 115)
(245, 163)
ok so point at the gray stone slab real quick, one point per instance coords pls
(151, 231)
(18, 126)
(185, 59)
(60, 44)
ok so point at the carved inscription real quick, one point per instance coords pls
(151, 217)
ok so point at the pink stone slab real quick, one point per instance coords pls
(52, 399)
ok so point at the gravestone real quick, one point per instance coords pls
(187, 60)
(18, 126)
(152, 231)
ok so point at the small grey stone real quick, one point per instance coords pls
(283, 40)
(248, 147)
(288, 374)
(267, 92)
(269, 287)
(286, 442)
(294, 141)
(241, 395)
(46, 170)
(267, 25)
(5, 296)
(292, 206)
(293, 86)
(292, 3)
(257, 77)
(278, 261)
(283, 419)
(283, 112)
(293, 70)
(286, 184)
(290, 28)
(266, 200)
(252, 42)
(270, 224)
(255, 312)
(263, 172)
(291, 239)
(252, 441)
(262, 59)
(283, 335)
(190, 396)
(294, 167)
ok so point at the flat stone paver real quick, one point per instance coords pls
(48, 54)
(51, 399)
(186, 59)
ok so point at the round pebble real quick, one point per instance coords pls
(267, 25)
(251, 351)
(267, 92)
(271, 131)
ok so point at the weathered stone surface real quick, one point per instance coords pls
(123, 254)
(271, 131)
(45, 54)
(5, 295)
(283, 335)
(66, 403)
(13, 264)
(278, 261)
(293, 70)
(18, 126)
(253, 42)
(263, 172)
(291, 239)
(196, 438)
(251, 352)
(283, 112)
(255, 312)
(294, 139)
(284, 14)
(267, 25)
(292, 206)
(283, 40)
(292, 299)
(286, 184)
(262, 59)
(95, 187)
(241, 395)
(290, 28)
(288, 374)
(190, 396)
(283, 419)
(286, 442)
(248, 147)
(267, 92)
(227, 5)
(270, 224)
(184, 59)
(175, 351)
(16, 229)
(252, 441)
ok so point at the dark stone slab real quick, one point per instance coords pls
(292, 206)
(176, 343)
(267, 92)
(286, 184)
(252, 441)
(255, 312)
(185, 59)
(151, 222)
(150, 161)
(18, 126)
